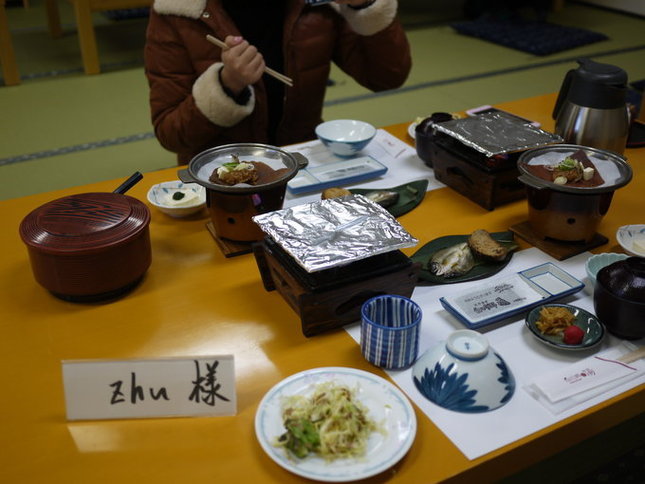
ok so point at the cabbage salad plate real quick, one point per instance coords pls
(386, 405)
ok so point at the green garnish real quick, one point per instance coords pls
(301, 437)
(231, 164)
(178, 195)
(567, 164)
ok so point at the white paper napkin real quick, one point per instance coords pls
(567, 387)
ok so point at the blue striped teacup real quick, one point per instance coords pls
(390, 331)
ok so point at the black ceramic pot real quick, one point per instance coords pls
(619, 297)
(424, 136)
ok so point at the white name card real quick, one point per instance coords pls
(167, 387)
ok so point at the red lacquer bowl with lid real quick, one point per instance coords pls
(90, 246)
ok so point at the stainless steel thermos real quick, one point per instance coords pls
(591, 109)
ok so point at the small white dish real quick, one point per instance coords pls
(598, 261)
(413, 126)
(385, 402)
(345, 137)
(411, 129)
(632, 239)
(161, 196)
(464, 374)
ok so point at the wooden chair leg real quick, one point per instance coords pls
(86, 36)
(7, 56)
(53, 19)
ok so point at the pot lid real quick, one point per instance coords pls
(625, 278)
(613, 168)
(282, 164)
(84, 222)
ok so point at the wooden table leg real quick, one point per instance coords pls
(53, 19)
(7, 56)
(86, 36)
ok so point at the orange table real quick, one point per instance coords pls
(194, 301)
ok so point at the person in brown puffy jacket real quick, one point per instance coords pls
(201, 96)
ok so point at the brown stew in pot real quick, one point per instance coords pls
(249, 172)
(576, 170)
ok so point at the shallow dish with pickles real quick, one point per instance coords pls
(592, 331)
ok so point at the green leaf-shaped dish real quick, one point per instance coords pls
(410, 195)
(482, 268)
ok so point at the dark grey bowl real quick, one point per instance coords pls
(619, 297)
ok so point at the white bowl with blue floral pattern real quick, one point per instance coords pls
(345, 137)
(464, 374)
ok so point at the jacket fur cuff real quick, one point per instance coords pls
(215, 104)
(190, 9)
(370, 20)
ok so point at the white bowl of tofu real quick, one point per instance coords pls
(632, 239)
(177, 199)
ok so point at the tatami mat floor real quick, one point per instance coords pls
(60, 128)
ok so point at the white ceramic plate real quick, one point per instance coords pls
(387, 406)
(628, 234)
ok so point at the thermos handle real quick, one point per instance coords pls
(562, 95)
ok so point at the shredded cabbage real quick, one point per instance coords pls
(330, 423)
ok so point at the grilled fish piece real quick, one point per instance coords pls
(452, 261)
(385, 198)
(485, 247)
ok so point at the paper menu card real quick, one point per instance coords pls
(478, 434)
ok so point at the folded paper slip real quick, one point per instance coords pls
(587, 374)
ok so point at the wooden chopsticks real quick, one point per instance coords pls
(280, 77)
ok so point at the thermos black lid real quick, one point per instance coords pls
(596, 85)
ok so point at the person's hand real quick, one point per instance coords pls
(243, 64)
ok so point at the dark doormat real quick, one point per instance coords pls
(534, 37)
